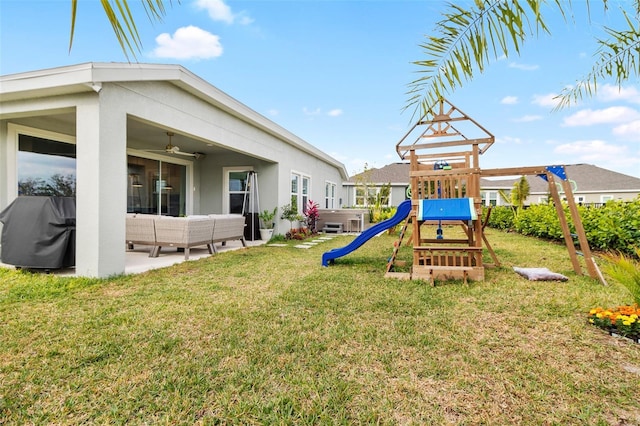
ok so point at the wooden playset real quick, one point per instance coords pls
(443, 149)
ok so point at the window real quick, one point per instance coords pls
(305, 193)
(329, 195)
(489, 198)
(155, 186)
(300, 190)
(237, 188)
(359, 197)
(605, 198)
(371, 195)
(46, 167)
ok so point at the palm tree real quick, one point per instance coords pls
(467, 40)
(122, 21)
(519, 193)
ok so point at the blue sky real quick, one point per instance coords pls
(336, 73)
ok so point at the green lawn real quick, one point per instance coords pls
(268, 336)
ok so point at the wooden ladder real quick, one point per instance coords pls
(397, 245)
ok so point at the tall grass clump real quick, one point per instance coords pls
(626, 271)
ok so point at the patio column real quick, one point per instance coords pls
(101, 169)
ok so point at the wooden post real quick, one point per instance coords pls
(592, 268)
(563, 224)
(414, 206)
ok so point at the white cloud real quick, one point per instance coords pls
(610, 92)
(218, 10)
(528, 118)
(188, 43)
(273, 112)
(509, 139)
(509, 100)
(588, 117)
(630, 131)
(546, 100)
(591, 151)
(523, 67)
(612, 156)
(332, 113)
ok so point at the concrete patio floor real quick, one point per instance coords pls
(138, 260)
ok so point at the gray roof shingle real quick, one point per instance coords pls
(587, 177)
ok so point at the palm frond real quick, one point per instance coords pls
(123, 22)
(617, 57)
(467, 40)
(74, 10)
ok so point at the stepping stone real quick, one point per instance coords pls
(303, 246)
(276, 245)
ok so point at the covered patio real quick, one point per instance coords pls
(138, 261)
(142, 138)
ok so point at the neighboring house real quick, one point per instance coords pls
(362, 188)
(590, 185)
(107, 132)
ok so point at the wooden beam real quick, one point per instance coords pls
(445, 144)
(592, 268)
(436, 173)
(514, 171)
(563, 224)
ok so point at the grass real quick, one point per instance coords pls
(268, 336)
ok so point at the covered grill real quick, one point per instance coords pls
(39, 232)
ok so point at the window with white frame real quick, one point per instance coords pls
(329, 195)
(306, 187)
(489, 198)
(605, 198)
(368, 196)
(300, 189)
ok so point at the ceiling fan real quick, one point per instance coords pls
(173, 149)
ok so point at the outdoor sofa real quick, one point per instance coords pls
(183, 232)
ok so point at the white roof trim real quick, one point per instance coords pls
(90, 77)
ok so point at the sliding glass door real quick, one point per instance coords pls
(155, 187)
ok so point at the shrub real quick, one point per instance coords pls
(380, 214)
(614, 226)
(501, 217)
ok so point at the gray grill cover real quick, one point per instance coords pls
(39, 232)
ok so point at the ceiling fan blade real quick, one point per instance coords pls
(187, 154)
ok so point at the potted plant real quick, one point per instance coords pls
(266, 223)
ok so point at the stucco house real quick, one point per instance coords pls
(590, 185)
(147, 138)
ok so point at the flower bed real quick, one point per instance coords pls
(622, 321)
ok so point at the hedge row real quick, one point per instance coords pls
(614, 226)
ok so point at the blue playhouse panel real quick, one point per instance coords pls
(447, 209)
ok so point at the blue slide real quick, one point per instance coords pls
(401, 214)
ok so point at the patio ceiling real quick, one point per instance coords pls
(140, 135)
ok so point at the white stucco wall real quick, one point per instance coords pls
(104, 99)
